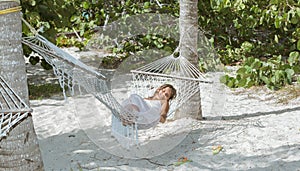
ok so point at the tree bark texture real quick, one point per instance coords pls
(12, 63)
(188, 26)
(20, 149)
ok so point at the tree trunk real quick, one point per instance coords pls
(20, 149)
(188, 26)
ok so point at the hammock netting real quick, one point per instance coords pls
(12, 108)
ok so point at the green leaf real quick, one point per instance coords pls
(146, 5)
(32, 2)
(249, 69)
(242, 82)
(277, 75)
(298, 10)
(296, 69)
(285, 66)
(298, 44)
(85, 5)
(265, 80)
(231, 83)
(274, 2)
(294, 17)
(250, 84)
(224, 79)
(241, 71)
(249, 60)
(236, 23)
(272, 87)
(293, 57)
(290, 73)
(273, 80)
(276, 38)
(33, 16)
(47, 25)
(277, 22)
(74, 18)
(247, 46)
(127, 3)
(257, 64)
(264, 68)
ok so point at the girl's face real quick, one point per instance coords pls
(165, 93)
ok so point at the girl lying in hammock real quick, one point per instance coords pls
(148, 111)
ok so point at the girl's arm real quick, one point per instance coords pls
(164, 111)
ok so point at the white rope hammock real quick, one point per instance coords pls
(12, 108)
(177, 71)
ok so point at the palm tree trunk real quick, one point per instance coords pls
(20, 149)
(188, 26)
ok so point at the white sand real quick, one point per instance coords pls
(256, 133)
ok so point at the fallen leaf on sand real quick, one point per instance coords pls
(217, 149)
(181, 161)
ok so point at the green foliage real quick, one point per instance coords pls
(275, 73)
(260, 36)
(43, 91)
(149, 41)
(112, 62)
(34, 60)
(271, 29)
(60, 18)
(45, 64)
(232, 55)
(72, 22)
(135, 44)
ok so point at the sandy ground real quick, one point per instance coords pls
(255, 131)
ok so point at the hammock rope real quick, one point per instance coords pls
(12, 108)
(177, 71)
(10, 10)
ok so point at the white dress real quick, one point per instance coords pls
(148, 114)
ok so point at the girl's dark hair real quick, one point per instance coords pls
(173, 92)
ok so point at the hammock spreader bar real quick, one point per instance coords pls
(172, 76)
